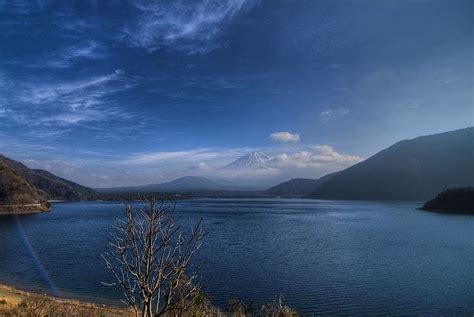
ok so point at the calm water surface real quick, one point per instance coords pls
(324, 257)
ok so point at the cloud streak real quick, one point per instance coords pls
(68, 56)
(334, 113)
(187, 26)
(189, 156)
(55, 92)
(68, 102)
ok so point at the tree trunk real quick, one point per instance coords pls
(147, 309)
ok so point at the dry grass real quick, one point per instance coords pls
(14, 302)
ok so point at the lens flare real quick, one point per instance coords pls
(36, 260)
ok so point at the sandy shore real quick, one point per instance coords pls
(15, 302)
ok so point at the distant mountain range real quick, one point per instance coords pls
(194, 184)
(181, 185)
(415, 169)
(22, 185)
(298, 187)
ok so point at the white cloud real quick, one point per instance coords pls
(314, 157)
(190, 26)
(285, 137)
(326, 112)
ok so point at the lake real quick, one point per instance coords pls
(323, 257)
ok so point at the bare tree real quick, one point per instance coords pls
(150, 259)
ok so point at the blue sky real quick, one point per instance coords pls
(112, 93)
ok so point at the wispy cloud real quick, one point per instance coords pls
(49, 133)
(190, 156)
(54, 92)
(69, 55)
(85, 115)
(17, 7)
(337, 112)
(188, 26)
(285, 137)
(69, 102)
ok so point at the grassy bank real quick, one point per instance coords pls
(14, 302)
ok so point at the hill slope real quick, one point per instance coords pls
(298, 187)
(14, 189)
(60, 188)
(38, 184)
(414, 169)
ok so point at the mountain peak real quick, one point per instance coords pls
(254, 160)
(259, 155)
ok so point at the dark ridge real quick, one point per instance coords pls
(414, 169)
(22, 185)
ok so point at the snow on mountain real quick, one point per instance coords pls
(255, 160)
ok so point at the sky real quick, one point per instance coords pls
(115, 93)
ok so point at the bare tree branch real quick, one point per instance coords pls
(151, 259)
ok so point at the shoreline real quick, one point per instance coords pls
(24, 209)
(15, 301)
(448, 211)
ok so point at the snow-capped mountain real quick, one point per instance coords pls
(255, 160)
